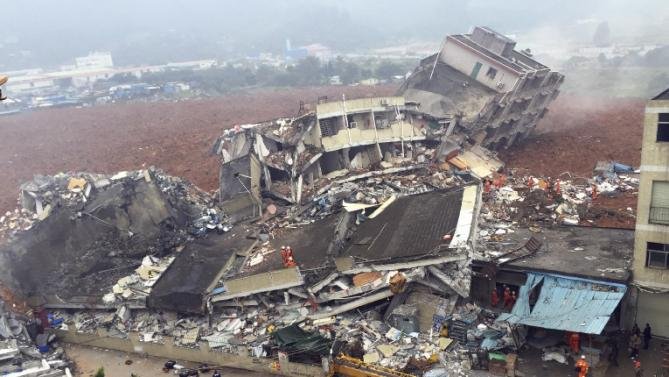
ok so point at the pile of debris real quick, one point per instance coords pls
(370, 190)
(522, 200)
(26, 350)
(45, 194)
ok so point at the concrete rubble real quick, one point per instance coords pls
(26, 350)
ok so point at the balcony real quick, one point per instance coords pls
(659, 215)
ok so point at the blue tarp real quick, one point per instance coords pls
(564, 303)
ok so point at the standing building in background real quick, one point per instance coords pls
(95, 60)
(494, 94)
(651, 247)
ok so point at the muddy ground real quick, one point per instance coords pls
(177, 136)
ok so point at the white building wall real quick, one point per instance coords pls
(95, 60)
(463, 59)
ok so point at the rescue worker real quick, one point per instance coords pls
(512, 302)
(575, 342)
(507, 295)
(638, 372)
(594, 192)
(557, 187)
(530, 182)
(289, 261)
(283, 254)
(635, 344)
(582, 367)
(613, 355)
(646, 336)
(486, 186)
(494, 298)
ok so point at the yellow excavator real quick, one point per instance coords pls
(3, 80)
(347, 366)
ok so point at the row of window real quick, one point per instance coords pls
(663, 127)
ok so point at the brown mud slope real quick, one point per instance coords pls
(575, 134)
(579, 131)
(174, 136)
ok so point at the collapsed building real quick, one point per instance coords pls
(377, 222)
(298, 159)
(491, 94)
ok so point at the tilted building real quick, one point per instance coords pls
(492, 94)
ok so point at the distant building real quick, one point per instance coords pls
(95, 61)
(370, 81)
(194, 65)
(335, 80)
(651, 247)
(319, 51)
(295, 53)
(494, 94)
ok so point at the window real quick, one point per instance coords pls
(327, 127)
(657, 255)
(659, 203)
(475, 70)
(663, 127)
(492, 72)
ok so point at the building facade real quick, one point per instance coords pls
(651, 248)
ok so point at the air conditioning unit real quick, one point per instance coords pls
(384, 102)
(500, 85)
(353, 125)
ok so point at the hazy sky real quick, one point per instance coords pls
(52, 32)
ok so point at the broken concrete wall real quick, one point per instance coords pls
(185, 285)
(202, 354)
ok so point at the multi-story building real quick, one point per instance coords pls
(494, 94)
(651, 247)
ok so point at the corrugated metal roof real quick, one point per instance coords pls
(569, 304)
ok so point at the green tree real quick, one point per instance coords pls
(350, 73)
(309, 70)
(388, 69)
(100, 372)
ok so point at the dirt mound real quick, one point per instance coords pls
(577, 132)
(175, 136)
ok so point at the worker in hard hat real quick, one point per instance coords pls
(3, 80)
(582, 366)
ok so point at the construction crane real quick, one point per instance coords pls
(347, 366)
(3, 80)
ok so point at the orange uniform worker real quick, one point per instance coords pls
(637, 367)
(582, 366)
(288, 260)
(512, 302)
(575, 342)
(486, 187)
(494, 298)
(506, 296)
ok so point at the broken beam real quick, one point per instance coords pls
(439, 274)
(405, 265)
(352, 305)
